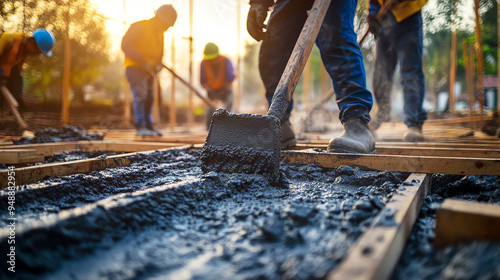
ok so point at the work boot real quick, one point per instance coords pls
(142, 131)
(155, 130)
(414, 134)
(356, 138)
(288, 139)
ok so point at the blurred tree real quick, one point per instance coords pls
(89, 42)
(437, 41)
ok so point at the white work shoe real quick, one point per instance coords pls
(142, 131)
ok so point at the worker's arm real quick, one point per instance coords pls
(6, 42)
(128, 44)
(229, 70)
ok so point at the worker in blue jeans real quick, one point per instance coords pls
(341, 56)
(399, 38)
(142, 45)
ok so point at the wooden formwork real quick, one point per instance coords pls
(377, 251)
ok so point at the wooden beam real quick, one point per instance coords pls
(464, 221)
(48, 149)
(376, 253)
(20, 156)
(422, 151)
(32, 174)
(420, 164)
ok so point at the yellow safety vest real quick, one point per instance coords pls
(10, 45)
(149, 44)
(405, 9)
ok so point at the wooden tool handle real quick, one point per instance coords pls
(207, 101)
(297, 61)
(13, 106)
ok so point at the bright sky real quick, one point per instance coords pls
(213, 21)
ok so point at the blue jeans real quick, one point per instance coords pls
(401, 41)
(339, 50)
(141, 85)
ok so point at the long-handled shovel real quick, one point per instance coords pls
(247, 143)
(13, 106)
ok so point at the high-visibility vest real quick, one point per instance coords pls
(405, 9)
(215, 71)
(12, 56)
(149, 44)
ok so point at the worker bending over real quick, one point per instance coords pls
(14, 49)
(216, 76)
(143, 48)
(399, 38)
(341, 56)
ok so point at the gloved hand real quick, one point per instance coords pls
(373, 24)
(255, 22)
(153, 69)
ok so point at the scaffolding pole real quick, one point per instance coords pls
(191, 93)
(238, 56)
(453, 59)
(66, 71)
(479, 55)
(173, 109)
(126, 86)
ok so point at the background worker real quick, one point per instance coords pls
(340, 53)
(14, 49)
(143, 48)
(216, 76)
(399, 37)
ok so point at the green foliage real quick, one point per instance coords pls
(89, 41)
(437, 41)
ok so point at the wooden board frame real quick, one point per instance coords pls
(33, 174)
(377, 251)
(411, 164)
(460, 221)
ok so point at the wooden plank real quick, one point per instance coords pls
(419, 164)
(47, 149)
(460, 221)
(20, 156)
(422, 151)
(32, 174)
(377, 251)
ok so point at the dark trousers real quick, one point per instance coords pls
(141, 85)
(225, 95)
(15, 85)
(401, 42)
(339, 50)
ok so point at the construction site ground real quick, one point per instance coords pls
(129, 207)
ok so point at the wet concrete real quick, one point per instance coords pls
(163, 218)
(64, 133)
(466, 261)
(74, 155)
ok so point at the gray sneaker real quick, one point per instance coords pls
(142, 131)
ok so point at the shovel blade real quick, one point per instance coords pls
(243, 143)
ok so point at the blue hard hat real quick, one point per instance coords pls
(45, 40)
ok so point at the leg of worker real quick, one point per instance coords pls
(410, 51)
(342, 57)
(284, 26)
(148, 103)
(15, 84)
(385, 64)
(138, 85)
